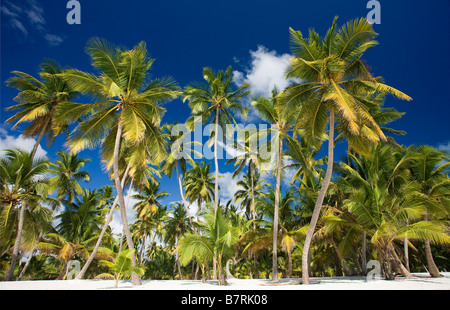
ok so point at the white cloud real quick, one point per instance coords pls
(228, 186)
(53, 39)
(444, 147)
(267, 69)
(9, 142)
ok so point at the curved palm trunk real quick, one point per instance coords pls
(432, 268)
(318, 206)
(123, 212)
(80, 275)
(364, 253)
(275, 216)
(10, 274)
(41, 135)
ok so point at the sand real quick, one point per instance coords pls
(421, 281)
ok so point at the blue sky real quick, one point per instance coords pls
(252, 36)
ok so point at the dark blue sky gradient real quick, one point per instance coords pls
(185, 36)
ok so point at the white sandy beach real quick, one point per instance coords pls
(421, 281)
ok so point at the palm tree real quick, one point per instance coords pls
(82, 218)
(39, 100)
(382, 196)
(430, 170)
(177, 225)
(122, 267)
(199, 185)
(22, 186)
(67, 171)
(251, 187)
(216, 243)
(129, 107)
(335, 81)
(148, 200)
(291, 229)
(281, 124)
(177, 160)
(215, 99)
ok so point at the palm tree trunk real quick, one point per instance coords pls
(41, 135)
(123, 212)
(364, 253)
(406, 250)
(399, 267)
(141, 255)
(318, 206)
(216, 163)
(179, 266)
(275, 216)
(10, 274)
(80, 275)
(432, 268)
(182, 197)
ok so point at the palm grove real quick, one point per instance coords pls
(382, 201)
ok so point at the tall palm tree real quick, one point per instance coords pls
(281, 124)
(128, 107)
(334, 88)
(38, 101)
(22, 186)
(215, 100)
(67, 171)
(199, 185)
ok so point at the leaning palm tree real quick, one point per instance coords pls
(67, 171)
(128, 107)
(22, 186)
(334, 86)
(215, 100)
(38, 101)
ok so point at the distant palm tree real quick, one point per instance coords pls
(39, 100)
(178, 158)
(334, 81)
(67, 171)
(148, 200)
(216, 99)
(177, 225)
(128, 107)
(251, 187)
(199, 185)
(22, 186)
